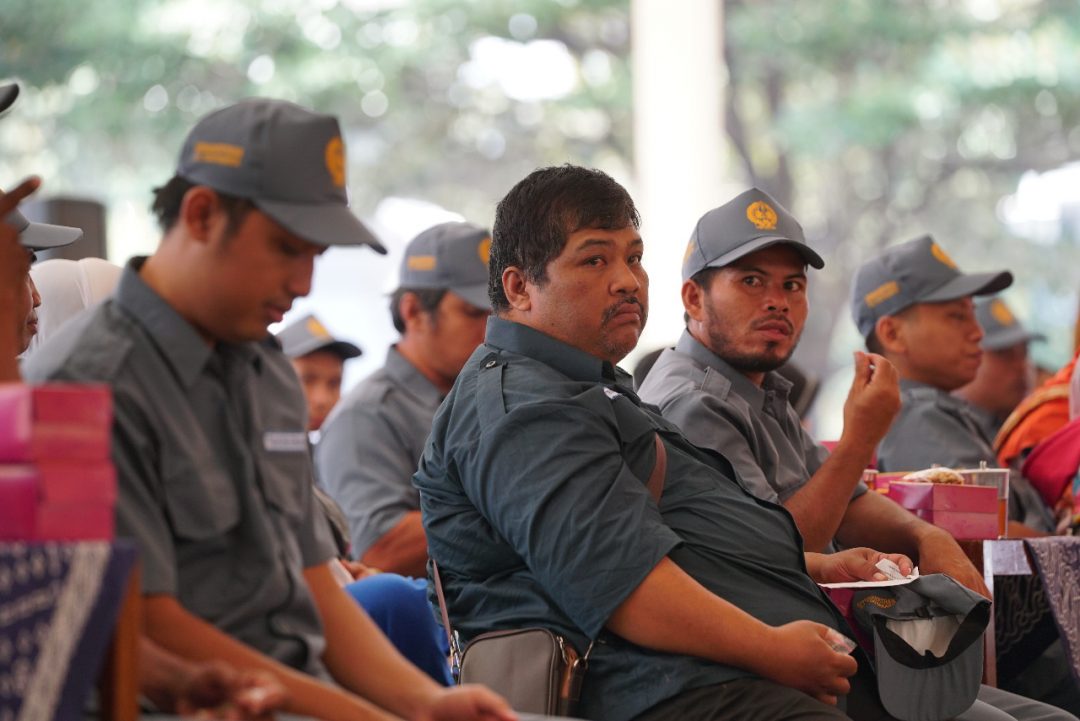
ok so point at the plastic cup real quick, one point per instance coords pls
(999, 479)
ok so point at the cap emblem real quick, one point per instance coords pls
(942, 257)
(882, 293)
(1001, 313)
(219, 154)
(879, 601)
(317, 329)
(335, 161)
(421, 262)
(484, 250)
(762, 215)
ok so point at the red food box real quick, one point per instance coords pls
(967, 512)
(57, 500)
(56, 421)
(963, 526)
(92, 482)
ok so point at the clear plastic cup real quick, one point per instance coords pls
(997, 478)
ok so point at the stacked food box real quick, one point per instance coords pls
(57, 481)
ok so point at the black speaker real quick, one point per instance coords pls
(77, 213)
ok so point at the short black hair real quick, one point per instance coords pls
(703, 278)
(535, 218)
(169, 197)
(873, 343)
(429, 300)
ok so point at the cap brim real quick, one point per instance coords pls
(964, 285)
(331, 224)
(8, 93)
(476, 295)
(42, 236)
(1010, 337)
(342, 348)
(808, 254)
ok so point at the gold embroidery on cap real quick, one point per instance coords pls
(335, 161)
(484, 250)
(761, 215)
(879, 601)
(882, 293)
(317, 329)
(219, 154)
(421, 262)
(689, 250)
(1001, 313)
(940, 254)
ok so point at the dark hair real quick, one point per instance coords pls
(703, 278)
(873, 343)
(535, 218)
(169, 197)
(429, 300)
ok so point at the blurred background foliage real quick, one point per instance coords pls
(873, 121)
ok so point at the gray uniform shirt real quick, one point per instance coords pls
(936, 427)
(370, 446)
(212, 464)
(755, 428)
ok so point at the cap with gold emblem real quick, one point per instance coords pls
(918, 271)
(452, 256)
(307, 335)
(749, 222)
(1001, 329)
(287, 160)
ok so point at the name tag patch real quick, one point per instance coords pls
(285, 441)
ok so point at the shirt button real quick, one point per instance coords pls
(490, 364)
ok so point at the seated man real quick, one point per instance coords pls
(1005, 376)
(373, 440)
(209, 439)
(915, 307)
(745, 291)
(533, 494)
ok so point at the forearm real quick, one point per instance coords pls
(361, 658)
(819, 506)
(402, 549)
(875, 521)
(178, 631)
(671, 612)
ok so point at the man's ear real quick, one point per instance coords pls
(516, 289)
(890, 333)
(199, 211)
(693, 300)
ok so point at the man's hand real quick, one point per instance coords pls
(854, 564)
(872, 402)
(216, 690)
(359, 570)
(801, 657)
(940, 553)
(14, 260)
(467, 703)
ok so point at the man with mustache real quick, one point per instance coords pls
(745, 294)
(701, 605)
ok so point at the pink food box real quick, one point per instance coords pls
(57, 501)
(65, 481)
(51, 422)
(944, 497)
(963, 526)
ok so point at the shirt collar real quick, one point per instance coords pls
(774, 389)
(177, 341)
(572, 362)
(409, 378)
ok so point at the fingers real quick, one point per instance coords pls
(10, 200)
(884, 371)
(862, 369)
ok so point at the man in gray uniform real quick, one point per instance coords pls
(914, 306)
(319, 361)
(745, 294)
(1005, 376)
(373, 440)
(533, 493)
(209, 436)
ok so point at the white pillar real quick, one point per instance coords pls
(679, 151)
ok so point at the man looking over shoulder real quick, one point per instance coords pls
(209, 440)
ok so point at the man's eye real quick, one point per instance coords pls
(594, 261)
(634, 259)
(752, 280)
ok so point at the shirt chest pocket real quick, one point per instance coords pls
(285, 477)
(201, 502)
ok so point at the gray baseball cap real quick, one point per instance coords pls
(307, 335)
(928, 649)
(1001, 329)
(452, 256)
(8, 93)
(287, 160)
(41, 236)
(918, 271)
(747, 223)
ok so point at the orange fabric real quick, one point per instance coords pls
(1038, 416)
